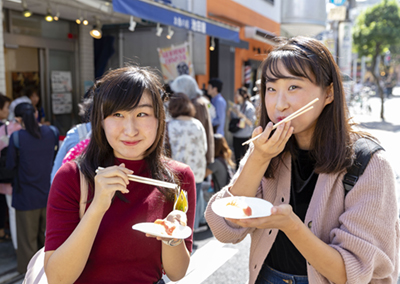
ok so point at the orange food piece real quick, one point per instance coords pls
(168, 229)
(247, 211)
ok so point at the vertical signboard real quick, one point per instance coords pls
(61, 97)
(345, 44)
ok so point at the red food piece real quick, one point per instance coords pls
(168, 229)
(247, 211)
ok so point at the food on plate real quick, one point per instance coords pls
(181, 202)
(168, 226)
(241, 205)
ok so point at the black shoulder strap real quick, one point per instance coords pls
(55, 131)
(16, 139)
(364, 148)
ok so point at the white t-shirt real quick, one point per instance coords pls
(189, 145)
(14, 103)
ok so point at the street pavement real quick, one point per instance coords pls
(213, 262)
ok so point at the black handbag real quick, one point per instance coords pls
(234, 125)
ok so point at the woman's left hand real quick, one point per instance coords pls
(176, 217)
(282, 217)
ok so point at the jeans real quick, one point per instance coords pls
(200, 206)
(269, 275)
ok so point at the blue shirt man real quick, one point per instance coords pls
(214, 90)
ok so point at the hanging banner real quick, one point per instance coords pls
(175, 61)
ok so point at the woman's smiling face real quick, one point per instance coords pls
(286, 95)
(131, 133)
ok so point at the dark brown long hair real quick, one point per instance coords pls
(180, 104)
(222, 149)
(121, 90)
(331, 144)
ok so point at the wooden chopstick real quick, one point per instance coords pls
(290, 117)
(149, 181)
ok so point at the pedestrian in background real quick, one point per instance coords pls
(22, 99)
(76, 134)
(5, 186)
(6, 129)
(218, 101)
(245, 111)
(315, 233)
(33, 94)
(187, 85)
(128, 124)
(32, 160)
(188, 144)
(222, 169)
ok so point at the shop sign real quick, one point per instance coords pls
(337, 2)
(61, 81)
(61, 97)
(167, 15)
(175, 61)
(61, 103)
(345, 45)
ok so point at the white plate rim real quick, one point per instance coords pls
(186, 230)
(251, 201)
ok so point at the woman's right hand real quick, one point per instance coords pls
(106, 182)
(267, 147)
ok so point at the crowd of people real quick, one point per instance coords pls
(132, 125)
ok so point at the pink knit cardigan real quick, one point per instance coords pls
(363, 227)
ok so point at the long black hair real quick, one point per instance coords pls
(27, 112)
(121, 90)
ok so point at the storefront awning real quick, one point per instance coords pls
(168, 15)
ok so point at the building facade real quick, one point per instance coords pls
(63, 60)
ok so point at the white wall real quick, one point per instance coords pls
(263, 7)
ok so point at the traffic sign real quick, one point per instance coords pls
(338, 2)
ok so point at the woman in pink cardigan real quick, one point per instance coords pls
(316, 233)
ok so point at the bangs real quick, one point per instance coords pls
(125, 94)
(297, 65)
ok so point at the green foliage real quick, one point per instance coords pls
(377, 29)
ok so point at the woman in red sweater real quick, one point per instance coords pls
(128, 123)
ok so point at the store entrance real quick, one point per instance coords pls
(52, 73)
(22, 70)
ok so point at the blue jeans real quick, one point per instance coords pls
(200, 206)
(269, 275)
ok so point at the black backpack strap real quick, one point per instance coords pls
(55, 131)
(16, 139)
(364, 148)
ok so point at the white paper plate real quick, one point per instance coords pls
(259, 207)
(180, 232)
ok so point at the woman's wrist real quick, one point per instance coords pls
(173, 242)
(260, 160)
(294, 227)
